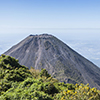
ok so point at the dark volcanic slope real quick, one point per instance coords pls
(46, 51)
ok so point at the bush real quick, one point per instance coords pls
(44, 72)
(18, 83)
(49, 88)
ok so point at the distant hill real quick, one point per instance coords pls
(62, 62)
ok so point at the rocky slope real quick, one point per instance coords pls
(63, 63)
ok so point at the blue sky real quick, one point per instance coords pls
(76, 22)
(20, 16)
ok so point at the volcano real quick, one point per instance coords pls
(62, 62)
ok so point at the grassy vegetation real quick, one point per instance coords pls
(17, 82)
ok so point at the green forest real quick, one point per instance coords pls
(17, 82)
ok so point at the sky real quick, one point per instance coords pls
(20, 16)
(75, 22)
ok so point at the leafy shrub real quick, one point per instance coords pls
(44, 72)
(11, 71)
(81, 92)
(19, 83)
(49, 88)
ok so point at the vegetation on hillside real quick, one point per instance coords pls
(17, 82)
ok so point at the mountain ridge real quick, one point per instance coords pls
(62, 62)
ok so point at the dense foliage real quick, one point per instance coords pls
(17, 82)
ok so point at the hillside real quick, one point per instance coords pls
(17, 82)
(62, 62)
